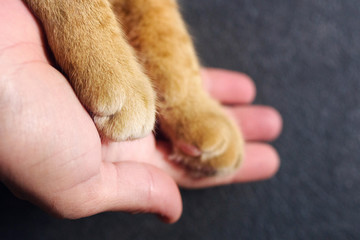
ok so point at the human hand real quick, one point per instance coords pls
(51, 154)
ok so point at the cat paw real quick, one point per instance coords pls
(206, 142)
(129, 115)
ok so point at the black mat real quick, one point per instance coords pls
(304, 58)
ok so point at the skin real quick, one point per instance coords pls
(51, 153)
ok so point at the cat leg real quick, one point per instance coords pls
(89, 46)
(205, 140)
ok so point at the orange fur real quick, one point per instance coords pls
(105, 46)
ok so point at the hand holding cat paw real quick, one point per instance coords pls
(54, 157)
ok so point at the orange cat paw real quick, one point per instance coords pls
(206, 142)
(134, 118)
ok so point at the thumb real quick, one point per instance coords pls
(127, 186)
(142, 188)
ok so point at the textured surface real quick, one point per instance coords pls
(304, 58)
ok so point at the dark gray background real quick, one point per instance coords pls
(304, 57)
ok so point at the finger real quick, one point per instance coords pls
(134, 150)
(261, 162)
(258, 123)
(129, 187)
(141, 188)
(229, 87)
